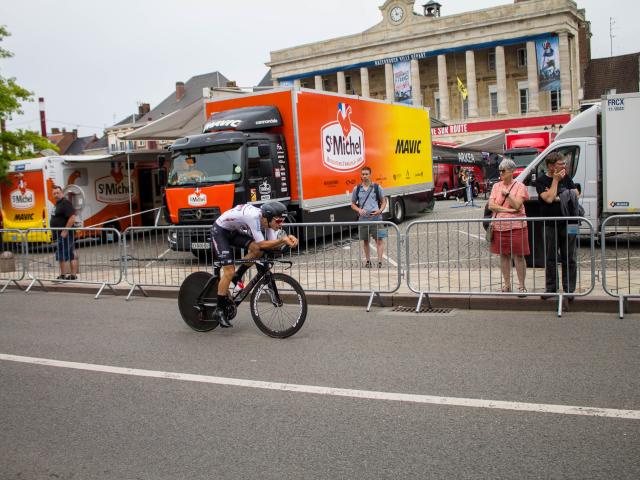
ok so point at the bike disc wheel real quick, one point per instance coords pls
(188, 296)
(281, 315)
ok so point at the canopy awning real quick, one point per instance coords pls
(491, 144)
(186, 121)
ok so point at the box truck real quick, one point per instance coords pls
(447, 163)
(302, 147)
(599, 146)
(523, 147)
(103, 190)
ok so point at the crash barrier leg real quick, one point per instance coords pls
(453, 257)
(88, 256)
(12, 262)
(163, 256)
(620, 271)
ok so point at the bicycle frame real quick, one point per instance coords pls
(264, 270)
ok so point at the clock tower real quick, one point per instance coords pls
(397, 12)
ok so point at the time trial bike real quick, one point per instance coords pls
(278, 302)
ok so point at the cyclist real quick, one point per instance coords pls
(230, 229)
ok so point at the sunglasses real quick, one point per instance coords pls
(278, 220)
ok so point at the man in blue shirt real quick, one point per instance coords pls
(368, 201)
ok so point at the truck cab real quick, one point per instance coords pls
(211, 172)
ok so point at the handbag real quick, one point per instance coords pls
(488, 225)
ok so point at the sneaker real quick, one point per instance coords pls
(237, 287)
(72, 277)
(367, 264)
(60, 278)
(220, 315)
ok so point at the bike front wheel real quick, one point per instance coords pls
(192, 287)
(278, 305)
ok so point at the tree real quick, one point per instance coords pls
(21, 143)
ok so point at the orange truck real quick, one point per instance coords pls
(100, 187)
(302, 147)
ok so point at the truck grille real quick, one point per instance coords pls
(198, 215)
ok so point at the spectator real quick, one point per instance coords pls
(368, 201)
(63, 217)
(557, 239)
(510, 239)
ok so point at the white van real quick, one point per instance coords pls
(599, 145)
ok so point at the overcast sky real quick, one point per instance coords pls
(93, 62)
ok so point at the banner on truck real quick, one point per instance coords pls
(548, 57)
(341, 135)
(402, 82)
(23, 200)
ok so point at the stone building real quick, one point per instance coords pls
(479, 72)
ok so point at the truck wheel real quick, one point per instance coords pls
(398, 211)
(445, 191)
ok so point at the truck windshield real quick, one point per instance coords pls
(215, 164)
(523, 159)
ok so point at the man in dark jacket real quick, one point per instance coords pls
(63, 217)
(558, 240)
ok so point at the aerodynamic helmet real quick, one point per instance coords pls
(273, 209)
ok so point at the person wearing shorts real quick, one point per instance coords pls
(368, 201)
(242, 227)
(63, 217)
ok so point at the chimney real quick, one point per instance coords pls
(143, 109)
(231, 84)
(75, 133)
(179, 91)
(55, 131)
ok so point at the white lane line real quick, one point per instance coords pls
(158, 258)
(337, 392)
(473, 236)
(372, 248)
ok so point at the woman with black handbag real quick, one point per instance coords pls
(510, 239)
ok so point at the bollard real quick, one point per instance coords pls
(7, 262)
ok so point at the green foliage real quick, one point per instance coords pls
(21, 143)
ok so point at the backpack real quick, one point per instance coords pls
(376, 188)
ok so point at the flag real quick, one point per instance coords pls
(462, 89)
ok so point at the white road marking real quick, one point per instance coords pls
(158, 258)
(337, 392)
(372, 248)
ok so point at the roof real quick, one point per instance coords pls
(619, 72)
(80, 144)
(192, 92)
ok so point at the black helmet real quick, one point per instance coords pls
(273, 209)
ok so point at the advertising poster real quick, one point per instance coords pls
(402, 82)
(548, 56)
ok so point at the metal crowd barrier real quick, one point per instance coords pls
(330, 257)
(100, 266)
(12, 263)
(452, 257)
(164, 256)
(620, 269)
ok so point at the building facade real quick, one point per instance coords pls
(519, 65)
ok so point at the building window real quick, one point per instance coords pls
(325, 84)
(491, 61)
(555, 100)
(304, 84)
(142, 143)
(348, 84)
(112, 147)
(465, 108)
(493, 100)
(522, 57)
(436, 97)
(523, 96)
(121, 146)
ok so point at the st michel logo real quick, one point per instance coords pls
(342, 142)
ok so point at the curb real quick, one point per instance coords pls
(595, 304)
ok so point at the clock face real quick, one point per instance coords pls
(396, 14)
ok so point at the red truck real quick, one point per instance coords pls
(448, 162)
(523, 147)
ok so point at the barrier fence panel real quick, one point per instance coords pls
(164, 256)
(619, 244)
(12, 262)
(87, 255)
(454, 257)
(331, 257)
